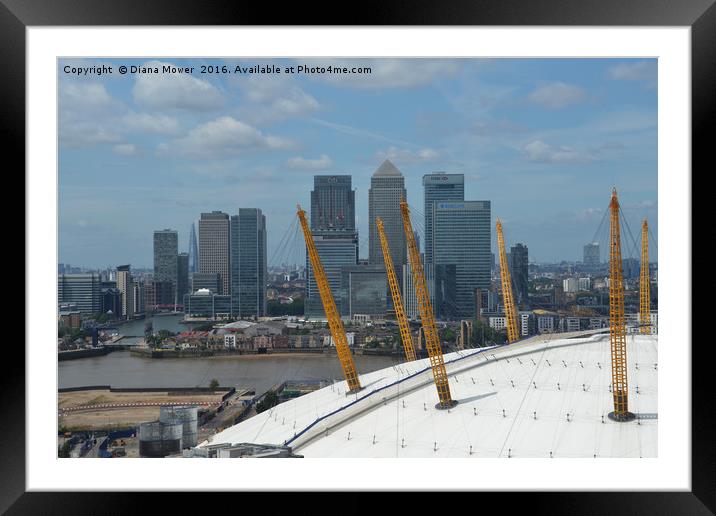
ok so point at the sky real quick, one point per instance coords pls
(544, 140)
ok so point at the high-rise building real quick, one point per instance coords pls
(214, 248)
(333, 203)
(410, 298)
(519, 270)
(591, 255)
(111, 302)
(166, 249)
(139, 297)
(364, 291)
(570, 285)
(193, 251)
(335, 236)
(208, 281)
(387, 190)
(85, 290)
(336, 250)
(439, 187)
(157, 294)
(125, 285)
(182, 276)
(461, 238)
(248, 263)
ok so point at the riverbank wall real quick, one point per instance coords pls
(74, 354)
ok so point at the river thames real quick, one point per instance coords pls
(259, 372)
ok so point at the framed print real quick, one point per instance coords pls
(430, 239)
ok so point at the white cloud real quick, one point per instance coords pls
(82, 133)
(639, 71)
(384, 73)
(175, 91)
(556, 95)
(145, 122)
(402, 155)
(540, 152)
(125, 149)
(83, 96)
(226, 135)
(275, 98)
(321, 163)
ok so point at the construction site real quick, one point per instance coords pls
(589, 393)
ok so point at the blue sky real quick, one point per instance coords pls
(543, 139)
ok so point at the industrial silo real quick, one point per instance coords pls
(159, 439)
(187, 415)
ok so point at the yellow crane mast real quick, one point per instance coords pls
(617, 323)
(432, 342)
(395, 293)
(507, 298)
(329, 306)
(644, 285)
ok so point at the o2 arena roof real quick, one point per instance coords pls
(534, 398)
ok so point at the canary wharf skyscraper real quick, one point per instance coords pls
(461, 254)
(439, 187)
(214, 247)
(333, 203)
(387, 189)
(166, 249)
(333, 227)
(248, 263)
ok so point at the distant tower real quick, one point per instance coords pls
(248, 263)
(387, 189)
(439, 186)
(334, 234)
(193, 251)
(125, 286)
(166, 249)
(520, 274)
(214, 247)
(591, 256)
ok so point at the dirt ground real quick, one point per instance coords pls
(103, 418)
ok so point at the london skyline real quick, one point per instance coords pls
(543, 139)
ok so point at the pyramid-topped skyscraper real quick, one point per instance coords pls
(387, 189)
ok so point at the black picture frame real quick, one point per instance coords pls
(700, 15)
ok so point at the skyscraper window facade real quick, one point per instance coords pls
(182, 276)
(83, 289)
(438, 187)
(462, 233)
(519, 268)
(125, 285)
(214, 248)
(333, 203)
(335, 236)
(387, 190)
(364, 291)
(591, 255)
(166, 250)
(248, 263)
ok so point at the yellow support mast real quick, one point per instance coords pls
(644, 285)
(617, 322)
(432, 341)
(507, 298)
(329, 306)
(395, 293)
